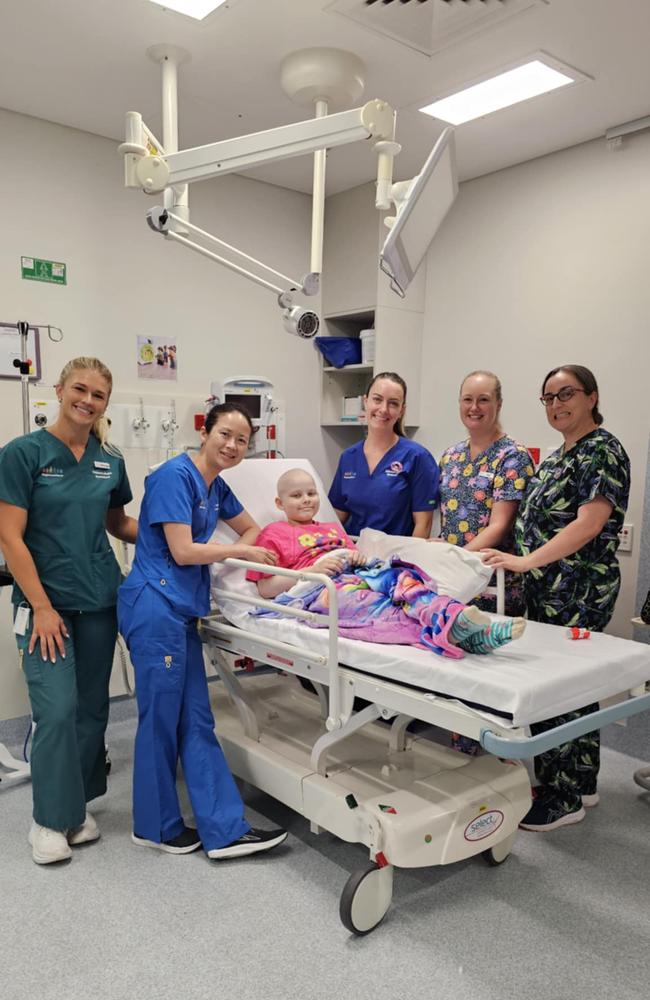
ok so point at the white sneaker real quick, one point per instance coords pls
(85, 833)
(48, 845)
(591, 800)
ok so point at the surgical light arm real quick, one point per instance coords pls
(302, 322)
(154, 171)
(149, 167)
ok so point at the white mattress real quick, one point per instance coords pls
(538, 677)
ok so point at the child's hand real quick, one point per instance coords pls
(357, 558)
(330, 565)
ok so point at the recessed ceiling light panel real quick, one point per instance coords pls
(198, 9)
(537, 74)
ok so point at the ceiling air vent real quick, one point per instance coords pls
(429, 25)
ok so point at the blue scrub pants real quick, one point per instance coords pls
(175, 721)
(69, 700)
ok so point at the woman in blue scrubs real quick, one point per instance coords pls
(61, 489)
(387, 481)
(166, 591)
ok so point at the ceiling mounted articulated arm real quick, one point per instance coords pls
(299, 321)
(156, 167)
(154, 171)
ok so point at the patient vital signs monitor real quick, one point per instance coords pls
(255, 394)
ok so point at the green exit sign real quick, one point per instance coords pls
(33, 269)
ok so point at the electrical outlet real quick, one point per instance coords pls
(625, 538)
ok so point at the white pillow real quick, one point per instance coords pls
(457, 573)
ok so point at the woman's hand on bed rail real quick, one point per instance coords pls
(253, 553)
(505, 560)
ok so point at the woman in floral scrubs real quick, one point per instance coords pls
(483, 480)
(567, 532)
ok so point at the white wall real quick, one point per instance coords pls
(536, 265)
(543, 264)
(63, 200)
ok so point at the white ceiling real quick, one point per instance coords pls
(83, 63)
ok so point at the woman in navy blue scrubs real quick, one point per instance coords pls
(387, 481)
(166, 591)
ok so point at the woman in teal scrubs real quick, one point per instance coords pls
(61, 489)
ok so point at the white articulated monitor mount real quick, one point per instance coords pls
(422, 204)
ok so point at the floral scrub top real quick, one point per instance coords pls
(468, 490)
(582, 588)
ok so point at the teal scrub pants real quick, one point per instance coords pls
(69, 700)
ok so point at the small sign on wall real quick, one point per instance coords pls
(157, 359)
(11, 347)
(34, 269)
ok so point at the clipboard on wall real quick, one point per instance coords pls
(10, 350)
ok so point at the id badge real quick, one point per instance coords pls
(21, 621)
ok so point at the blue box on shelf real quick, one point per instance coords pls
(340, 351)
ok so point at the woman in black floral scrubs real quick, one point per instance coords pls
(567, 532)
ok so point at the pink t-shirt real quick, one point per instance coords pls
(300, 545)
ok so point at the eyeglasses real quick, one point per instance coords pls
(566, 393)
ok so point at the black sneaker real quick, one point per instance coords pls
(251, 843)
(184, 843)
(546, 815)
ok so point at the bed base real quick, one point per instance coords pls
(411, 802)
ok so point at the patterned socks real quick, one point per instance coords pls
(474, 631)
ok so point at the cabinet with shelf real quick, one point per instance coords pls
(356, 297)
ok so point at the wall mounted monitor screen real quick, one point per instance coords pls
(429, 199)
(251, 402)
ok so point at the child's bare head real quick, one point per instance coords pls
(297, 496)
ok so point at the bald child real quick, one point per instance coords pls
(301, 542)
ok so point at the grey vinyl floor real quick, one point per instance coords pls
(567, 916)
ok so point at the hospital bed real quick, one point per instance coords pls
(410, 801)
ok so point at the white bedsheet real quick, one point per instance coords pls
(538, 677)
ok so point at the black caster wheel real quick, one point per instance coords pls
(366, 898)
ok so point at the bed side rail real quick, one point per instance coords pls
(335, 719)
(498, 589)
(531, 746)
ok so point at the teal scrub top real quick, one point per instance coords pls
(66, 502)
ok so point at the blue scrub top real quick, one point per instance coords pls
(176, 493)
(405, 481)
(66, 503)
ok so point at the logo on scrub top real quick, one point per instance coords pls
(102, 470)
(394, 469)
(349, 475)
(51, 472)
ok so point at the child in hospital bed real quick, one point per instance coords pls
(300, 542)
